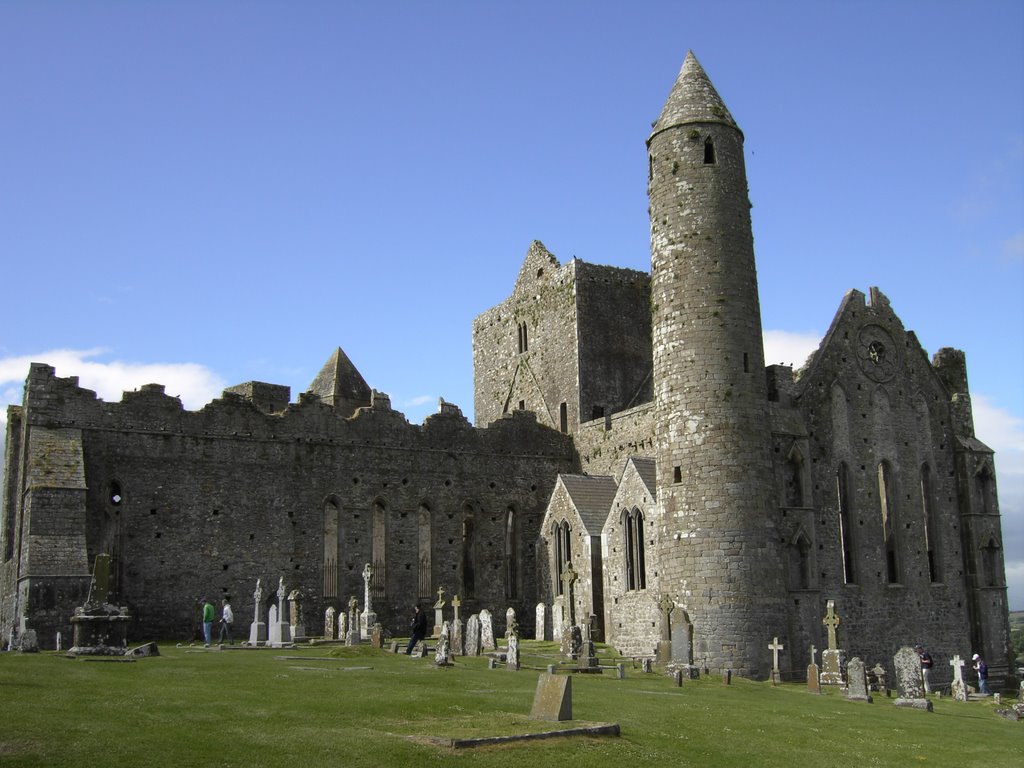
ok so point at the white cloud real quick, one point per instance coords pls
(195, 384)
(787, 348)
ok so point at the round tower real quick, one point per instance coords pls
(719, 551)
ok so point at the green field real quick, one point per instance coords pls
(320, 707)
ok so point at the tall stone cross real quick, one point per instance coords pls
(353, 608)
(100, 580)
(440, 598)
(831, 621)
(280, 599)
(958, 668)
(367, 576)
(814, 652)
(666, 605)
(568, 579)
(775, 646)
(257, 597)
(456, 603)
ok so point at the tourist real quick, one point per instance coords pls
(982, 669)
(419, 629)
(926, 666)
(227, 616)
(207, 621)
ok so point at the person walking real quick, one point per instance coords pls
(982, 669)
(926, 667)
(226, 618)
(419, 629)
(208, 616)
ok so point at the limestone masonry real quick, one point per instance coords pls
(626, 427)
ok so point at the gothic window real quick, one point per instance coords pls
(511, 555)
(524, 340)
(563, 417)
(793, 479)
(330, 548)
(563, 552)
(845, 526)
(709, 151)
(468, 557)
(931, 530)
(379, 549)
(986, 489)
(990, 570)
(423, 576)
(633, 544)
(886, 497)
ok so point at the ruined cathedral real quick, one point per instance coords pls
(626, 430)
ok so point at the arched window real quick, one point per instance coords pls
(423, 577)
(563, 552)
(845, 525)
(468, 557)
(986, 489)
(379, 555)
(511, 555)
(931, 530)
(793, 476)
(633, 544)
(990, 570)
(330, 548)
(886, 496)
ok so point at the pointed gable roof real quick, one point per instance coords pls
(592, 496)
(539, 264)
(340, 384)
(646, 469)
(693, 100)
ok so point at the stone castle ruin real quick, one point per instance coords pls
(626, 428)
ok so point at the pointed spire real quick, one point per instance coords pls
(339, 384)
(693, 100)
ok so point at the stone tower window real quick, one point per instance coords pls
(563, 417)
(633, 540)
(885, 499)
(511, 555)
(931, 530)
(677, 474)
(330, 548)
(845, 526)
(524, 339)
(709, 151)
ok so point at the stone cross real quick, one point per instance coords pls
(280, 597)
(814, 652)
(568, 579)
(666, 605)
(257, 597)
(440, 598)
(100, 587)
(958, 688)
(456, 604)
(831, 621)
(367, 575)
(775, 646)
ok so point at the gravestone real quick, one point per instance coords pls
(775, 646)
(512, 657)
(813, 682)
(553, 699)
(540, 616)
(458, 649)
(681, 636)
(354, 637)
(909, 681)
(342, 625)
(367, 618)
(645, 665)
(298, 629)
(283, 631)
(473, 636)
(329, 618)
(442, 654)
(557, 612)
(510, 620)
(832, 658)
(439, 612)
(377, 635)
(28, 642)
(572, 642)
(879, 684)
(857, 681)
(664, 648)
(274, 640)
(959, 687)
(257, 629)
(568, 580)
(486, 631)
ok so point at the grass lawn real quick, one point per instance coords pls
(297, 707)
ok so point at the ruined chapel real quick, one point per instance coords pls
(626, 428)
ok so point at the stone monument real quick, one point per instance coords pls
(857, 681)
(833, 657)
(959, 687)
(486, 631)
(439, 612)
(298, 629)
(458, 633)
(329, 622)
(540, 617)
(442, 654)
(257, 629)
(473, 635)
(909, 681)
(367, 618)
(813, 683)
(354, 636)
(100, 629)
(775, 646)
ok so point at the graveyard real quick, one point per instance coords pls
(333, 704)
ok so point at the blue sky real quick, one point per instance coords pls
(206, 193)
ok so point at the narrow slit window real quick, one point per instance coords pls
(709, 151)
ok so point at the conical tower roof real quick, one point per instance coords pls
(340, 384)
(693, 100)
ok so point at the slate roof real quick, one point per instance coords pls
(592, 496)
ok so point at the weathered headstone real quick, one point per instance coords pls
(833, 657)
(682, 636)
(557, 621)
(457, 639)
(813, 682)
(342, 625)
(28, 642)
(486, 631)
(553, 698)
(367, 618)
(568, 580)
(510, 620)
(572, 642)
(257, 629)
(664, 647)
(354, 636)
(959, 687)
(442, 653)
(879, 674)
(329, 622)
(377, 635)
(540, 616)
(909, 681)
(298, 629)
(439, 611)
(857, 681)
(473, 635)
(274, 640)
(512, 657)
